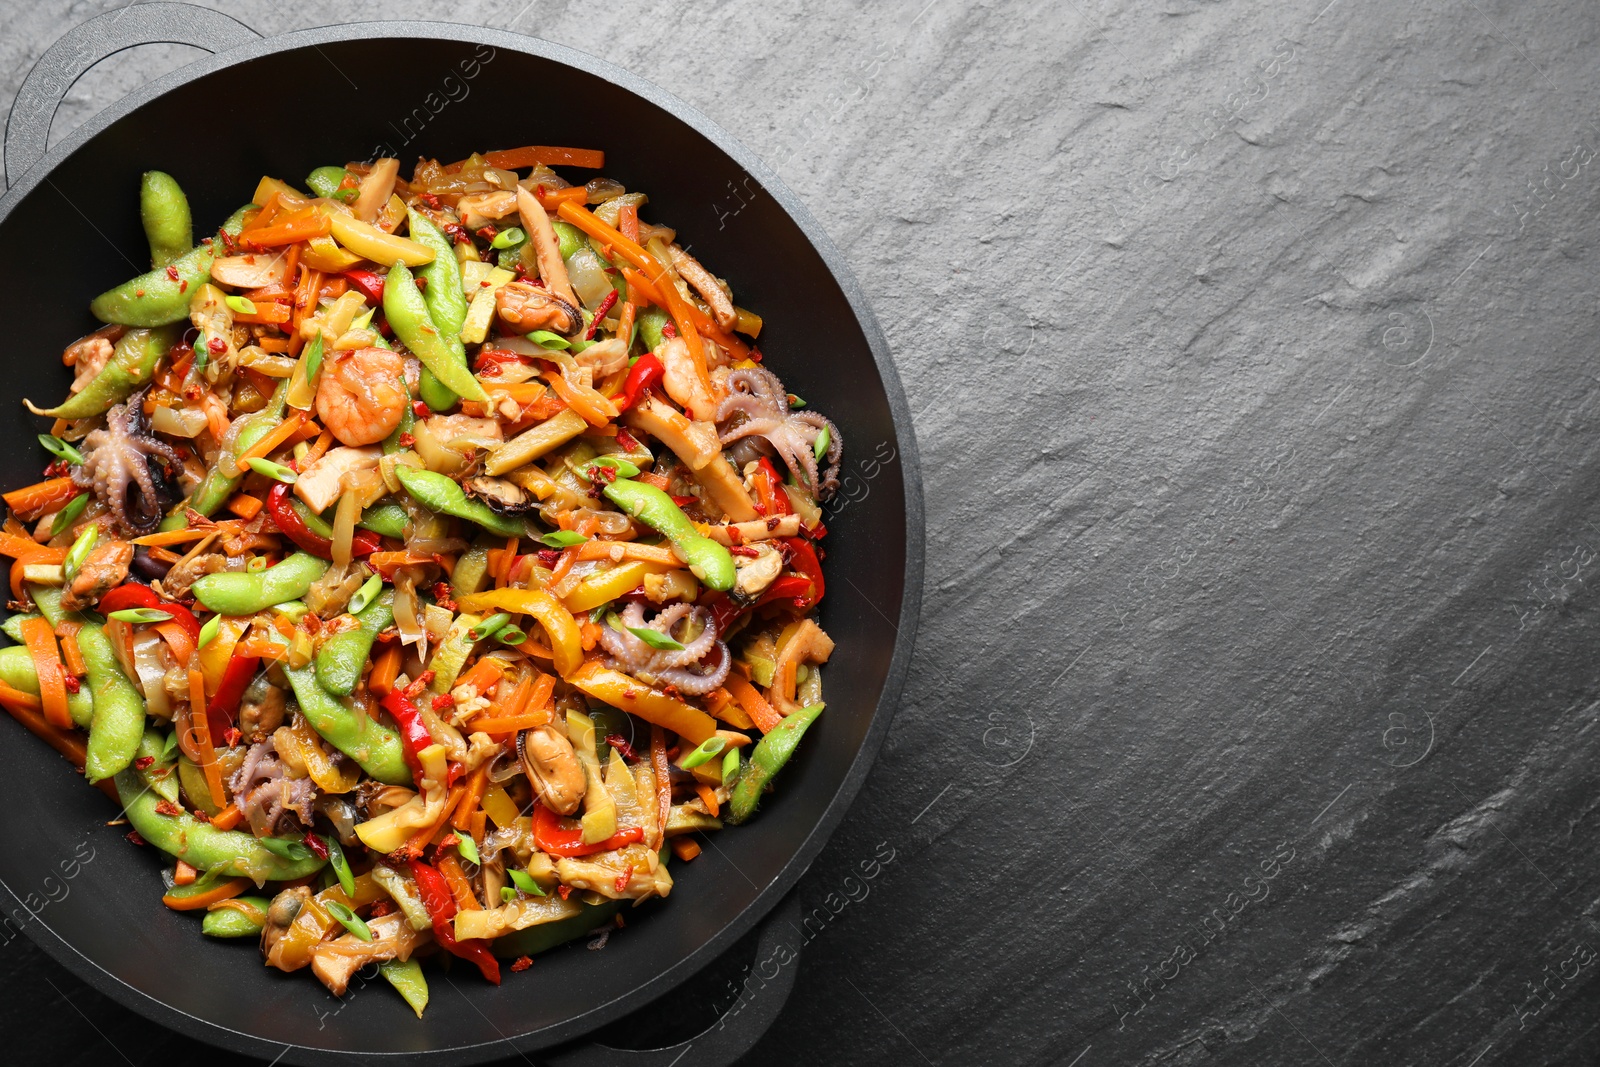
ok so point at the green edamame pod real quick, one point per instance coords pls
(408, 981)
(164, 210)
(231, 922)
(709, 561)
(17, 671)
(432, 392)
(157, 298)
(536, 939)
(387, 518)
(408, 420)
(441, 353)
(447, 304)
(436, 492)
(374, 747)
(766, 760)
(342, 656)
(132, 364)
(12, 628)
(222, 479)
(162, 777)
(243, 593)
(568, 237)
(232, 853)
(118, 722)
(651, 322)
(325, 181)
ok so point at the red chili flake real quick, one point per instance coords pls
(669, 330)
(183, 286)
(318, 847)
(441, 593)
(684, 501)
(71, 682)
(629, 693)
(407, 440)
(138, 292)
(603, 475)
(231, 736)
(626, 440)
(57, 468)
(622, 882)
(133, 837)
(735, 536)
(167, 807)
(419, 409)
(422, 283)
(755, 355)
(489, 370)
(618, 742)
(773, 522)
(671, 690)
(144, 761)
(423, 681)
(216, 346)
(521, 963)
(457, 233)
(431, 200)
(549, 556)
(172, 272)
(564, 890)
(672, 753)
(486, 232)
(380, 908)
(744, 550)
(817, 532)
(442, 701)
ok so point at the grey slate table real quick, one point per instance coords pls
(1253, 718)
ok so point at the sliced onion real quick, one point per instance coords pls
(605, 357)
(587, 273)
(150, 672)
(438, 458)
(406, 617)
(179, 422)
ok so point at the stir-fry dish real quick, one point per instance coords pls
(422, 563)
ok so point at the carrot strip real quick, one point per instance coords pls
(227, 818)
(19, 547)
(267, 313)
(172, 537)
(477, 782)
(575, 194)
(183, 874)
(221, 891)
(318, 449)
(262, 649)
(245, 506)
(31, 501)
(384, 671)
(617, 551)
(535, 155)
(70, 650)
(543, 689)
(273, 344)
(481, 675)
(24, 707)
(419, 840)
(528, 720)
(685, 848)
(279, 434)
(298, 227)
(754, 704)
(628, 222)
(40, 638)
(709, 797)
(177, 639)
(466, 900)
(17, 697)
(201, 723)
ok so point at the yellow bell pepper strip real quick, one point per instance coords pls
(372, 243)
(558, 623)
(606, 586)
(633, 696)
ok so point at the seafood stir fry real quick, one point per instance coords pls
(423, 562)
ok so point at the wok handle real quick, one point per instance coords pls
(63, 63)
(741, 1026)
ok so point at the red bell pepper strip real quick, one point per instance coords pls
(803, 558)
(135, 595)
(440, 905)
(805, 589)
(559, 840)
(414, 736)
(370, 283)
(292, 526)
(643, 376)
(224, 705)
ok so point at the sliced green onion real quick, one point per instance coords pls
(169, 749)
(140, 615)
(209, 631)
(511, 636)
(598, 615)
(364, 596)
(80, 550)
(563, 539)
(69, 514)
(288, 847)
(468, 849)
(524, 881)
(655, 639)
(823, 439)
(60, 449)
(276, 471)
(313, 359)
(711, 746)
(730, 765)
(240, 305)
(489, 627)
(509, 237)
(256, 564)
(349, 919)
(796, 402)
(340, 865)
(549, 340)
(507, 894)
(293, 610)
(202, 352)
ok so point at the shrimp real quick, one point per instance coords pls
(361, 395)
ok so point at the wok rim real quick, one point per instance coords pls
(806, 851)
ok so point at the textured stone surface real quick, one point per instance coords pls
(1253, 717)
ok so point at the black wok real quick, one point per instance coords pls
(69, 229)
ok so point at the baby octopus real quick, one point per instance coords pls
(122, 465)
(760, 397)
(698, 668)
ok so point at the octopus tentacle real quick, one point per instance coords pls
(121, 465)
(759, 397)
